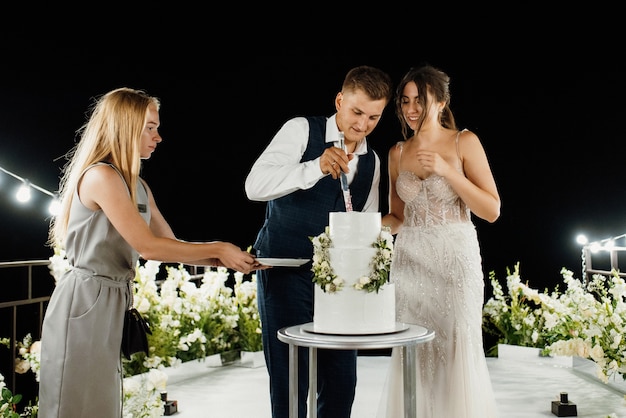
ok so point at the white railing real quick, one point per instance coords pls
(603, 257)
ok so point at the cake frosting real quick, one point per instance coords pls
(351, 265)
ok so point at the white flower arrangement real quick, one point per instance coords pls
(142, 395)
(58, 264)
(28, 351)
(188, 321)
(249, 322)
(586, 320)
(30, 355)
(325, 277)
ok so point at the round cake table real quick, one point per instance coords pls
(406, 336)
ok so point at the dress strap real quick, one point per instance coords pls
(458, 151)
(400, 145)
(456, 141)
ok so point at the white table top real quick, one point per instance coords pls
(404, 335)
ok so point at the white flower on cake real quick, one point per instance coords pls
(329, 282)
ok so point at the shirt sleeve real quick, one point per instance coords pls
(278, 170)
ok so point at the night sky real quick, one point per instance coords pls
(549, 113)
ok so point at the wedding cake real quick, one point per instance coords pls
(351, 261)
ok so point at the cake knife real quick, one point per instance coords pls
(344, 179)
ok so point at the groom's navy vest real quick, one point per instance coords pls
(290, 220)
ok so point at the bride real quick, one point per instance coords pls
(438, 178)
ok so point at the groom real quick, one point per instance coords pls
(297, 175)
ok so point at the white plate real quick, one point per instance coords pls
(398, 327)
(282, 262)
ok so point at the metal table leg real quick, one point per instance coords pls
(293, 381)
(409, 377)
(312, 382)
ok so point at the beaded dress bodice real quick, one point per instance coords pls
(430, 201)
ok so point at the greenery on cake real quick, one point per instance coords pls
(324, 276)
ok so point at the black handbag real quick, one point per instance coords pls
(136, 328)
(135, 339)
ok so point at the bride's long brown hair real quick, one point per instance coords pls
(427, 79)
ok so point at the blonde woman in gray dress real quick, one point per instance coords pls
(438, 177)
(108, 220)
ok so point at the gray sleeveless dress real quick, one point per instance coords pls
(81, 369)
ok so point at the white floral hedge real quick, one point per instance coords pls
(189, 320)
(586, 320)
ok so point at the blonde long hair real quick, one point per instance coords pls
(112, 134)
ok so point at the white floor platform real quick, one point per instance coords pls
(524, 387)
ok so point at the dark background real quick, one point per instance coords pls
(547, 104)
(541, 84)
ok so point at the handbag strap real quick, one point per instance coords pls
(131, 289)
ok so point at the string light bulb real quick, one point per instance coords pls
(609, 244)
(55, 206)
(23, 193)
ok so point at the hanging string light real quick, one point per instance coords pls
(609, 245)
(23, 194)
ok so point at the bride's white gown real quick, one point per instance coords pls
(439, 285)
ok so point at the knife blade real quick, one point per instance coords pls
(344, 179)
